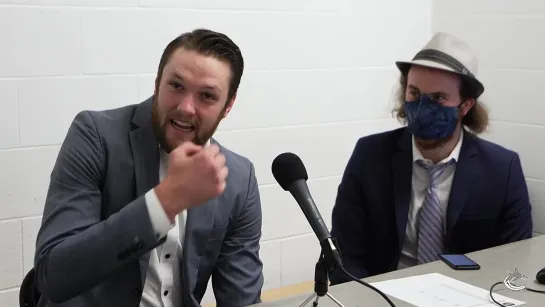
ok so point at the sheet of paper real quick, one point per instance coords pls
(437, 290)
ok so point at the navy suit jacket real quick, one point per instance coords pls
(488, 203)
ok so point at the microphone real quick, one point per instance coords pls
(291, 175)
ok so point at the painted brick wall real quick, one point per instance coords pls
(319, 75)
(508, 37)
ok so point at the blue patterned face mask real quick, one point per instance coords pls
(430, 120)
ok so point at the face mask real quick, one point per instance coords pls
(430, 120)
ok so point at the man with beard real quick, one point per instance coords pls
(432, 187)
(144, 206)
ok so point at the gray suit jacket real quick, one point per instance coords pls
(94, 243)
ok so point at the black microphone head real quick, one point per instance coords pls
(288, 168)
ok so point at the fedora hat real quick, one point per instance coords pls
(447, 52)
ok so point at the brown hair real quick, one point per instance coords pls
(209, 43)
(476, 118)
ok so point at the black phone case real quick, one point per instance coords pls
(460, 267)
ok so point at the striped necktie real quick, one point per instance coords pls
(430, 228)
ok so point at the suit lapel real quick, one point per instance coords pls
(145, 150)
(467, 175)
(146, 173)
(146, 159)
(145, 153)
(402, 177)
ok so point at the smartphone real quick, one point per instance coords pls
(460, 262)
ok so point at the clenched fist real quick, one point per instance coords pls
(194, 176)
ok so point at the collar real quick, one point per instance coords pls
(417, 155)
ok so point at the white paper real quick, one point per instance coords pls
(437, 290)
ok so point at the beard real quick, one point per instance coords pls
(159, 129)
(433, 144)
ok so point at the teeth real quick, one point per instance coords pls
(180, 125)
(183, 124)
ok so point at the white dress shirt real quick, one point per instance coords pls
(419, 187)
(162, 287)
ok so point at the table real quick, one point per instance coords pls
(528, 256)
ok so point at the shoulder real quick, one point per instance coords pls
(108, 118)
(382, 144)
(240, 167)
(390, 137)
(491, 151)
(92, 127)
(86, 143)
(110, 127)
(242, 191)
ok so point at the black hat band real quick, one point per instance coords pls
(443, 58)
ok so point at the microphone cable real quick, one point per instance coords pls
(504, 283)
(368, 286)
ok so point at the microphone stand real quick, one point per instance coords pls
(329, 260)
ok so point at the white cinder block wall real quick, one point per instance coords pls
(319, 74)
(509, 37)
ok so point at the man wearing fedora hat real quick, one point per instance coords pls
(431, 187)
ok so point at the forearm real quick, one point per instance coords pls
(347, 229)
(347, 221)
(516, 219)
(69, 264)
(237, 279)
(518, 226)
(353, 262)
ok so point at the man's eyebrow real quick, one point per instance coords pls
(212, 87)
(177, 76)
(440, 93)
(412, 87)
(208, 86)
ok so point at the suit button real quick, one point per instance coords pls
(136, 291)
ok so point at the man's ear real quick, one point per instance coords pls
(229, 105)
(467, 105)
(156, 88)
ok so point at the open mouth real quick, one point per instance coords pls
(182, 126)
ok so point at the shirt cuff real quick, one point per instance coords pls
(159, 220)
